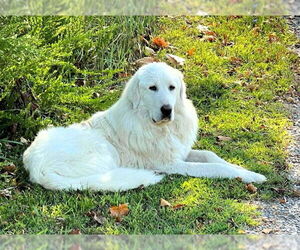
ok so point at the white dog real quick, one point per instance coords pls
(150, 130)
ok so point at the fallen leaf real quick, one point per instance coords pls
(119, 211)
(252, 87)
(223, 138)
(256, 30)
(232, 17)
(290, 99)
(208, 39)
(144, 61)
(218, 209)
(210, 33)
(251, 188)
(175, 59)
(99, 219)
(282, 200)
(239, 179)
(202, 28)
(191, 52)
(296, 193)
(10, 168)
(149, 51)
(278, 190)
(75, 231)
(5, 193)
(225, 42)
(235, 60)
(23, 140)
(267, 230)
(273, 38)
(124, 74)
(178, 206)
(164, 203)
(160, 42)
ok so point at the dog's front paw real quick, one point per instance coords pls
(249, 176)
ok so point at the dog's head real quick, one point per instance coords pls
(156, 89)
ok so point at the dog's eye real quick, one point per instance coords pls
(171, 87)
(153, 88)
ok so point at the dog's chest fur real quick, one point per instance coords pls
(141, 144)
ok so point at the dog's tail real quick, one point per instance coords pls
(118, 179)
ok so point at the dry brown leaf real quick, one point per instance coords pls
(119, 211)
(208, 39)
(290, 99)
(164, 203)
(273, 38)
(178, 206)
(10, 168)
(296, 193)
(223, 138)
(210, 33)
(251, 188)
(191, 52)
(282, 200)
(267, 230)
(145, 60)
(239, 179)
(256, 30)
(99, 219)
(252, 87)
(5, 193)
(235, 60)
(175, 59)
(124, 74)
(160, 42)
(75, 231)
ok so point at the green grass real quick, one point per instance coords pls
(239, 100)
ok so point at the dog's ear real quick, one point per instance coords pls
(132, 91)
(182, 86)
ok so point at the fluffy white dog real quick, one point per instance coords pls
(150, 130)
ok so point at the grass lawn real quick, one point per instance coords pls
(55, 71)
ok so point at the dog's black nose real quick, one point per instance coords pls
(166, 110)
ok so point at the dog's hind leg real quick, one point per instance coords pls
(118, 179)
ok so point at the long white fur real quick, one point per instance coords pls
(125, 146)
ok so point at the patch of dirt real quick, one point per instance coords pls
(294, 7)
(282, 216)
